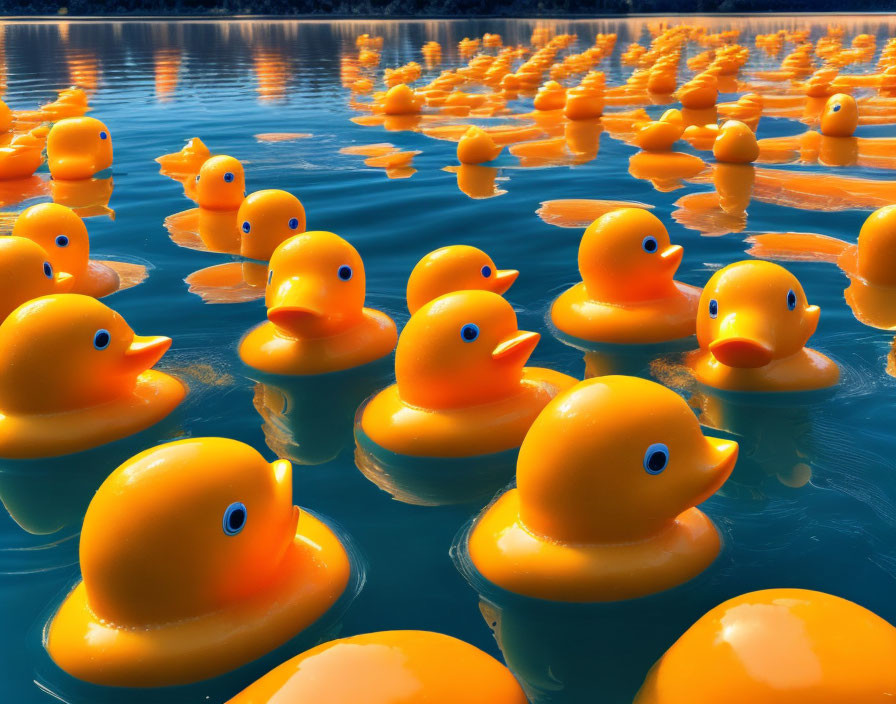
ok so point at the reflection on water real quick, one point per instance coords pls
(811, 503)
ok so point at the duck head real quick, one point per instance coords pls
(266, 219)
(60, 232)
(456, 268)
(462, 349)
(840, 116)
(26, 273)
(616, 459)
(67, 351)
(735, 144)
(221, 183)
(316, 285)
(625, 256)
(877, 247)
(753, 312)
(184, 529)
(78, 147)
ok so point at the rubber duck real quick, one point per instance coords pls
(401, 100)
(162, 541)
(627, 294)
(266, 220)
(78, 147)
(23, 155)
(604, 509)
(101, 389)
(477, 146)
(752, 325)
(389, 666)
(584, 103)
(779, 646)
(659, 135)
(63, 236)
(700, 92)
(220, 184)
(461, 388)
(551, 96)
(455, 268)
(317, 322)
(186, 162)
(735, 144)
(840, 116)
(26, 273)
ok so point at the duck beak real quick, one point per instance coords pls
(287, 317)
(519, 345)
(504, 279)
(294, 304)
(64, 281)
(811, 315)
(723, 456)
(145, 352)
(672, 255)
(741, 352)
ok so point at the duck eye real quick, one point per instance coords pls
(486, 271)
(234, 518)
(270, 276)
(656, 458)
(469, 332)
(713, 308)
(101, 339)
(228, 177)
(293, 223)
(246, 226)
(197, 177)
(62, 241)
(48, 270)
(836, 108)
(649, 244)
(344, 272)
(791, 300)
(103, 135)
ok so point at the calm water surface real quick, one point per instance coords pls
(810, 504)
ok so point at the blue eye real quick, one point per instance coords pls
(836, 108)
(656, 458)
(62, 241)
(101, 339)
(713, 308)
(234, 518)
(197, 178)
(48, 270)
(791, 300)
(345, 272)
(103, 135)
(270, 276)
(649, 244)
(246, 226)
(486, 271)
(469, 332)
(228, 177)
(293, 223)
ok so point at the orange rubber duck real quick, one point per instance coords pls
(73, 375)
(388, 667)
(735, 144)
(840, 116)
(220, 184)
(659, 135)
(26, 273)
(476, 147)
(185, 163)
(604, 509)
(700, 93)
(162, 540)
(458, 267)
(752, 326)
(461, 388)
(317, 322)
(266, 220)
(23, 155)
(63, 236)
(78, 147)
(401, 100)
(627, 294)
(779, 646)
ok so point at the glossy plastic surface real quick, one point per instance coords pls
(78, 147)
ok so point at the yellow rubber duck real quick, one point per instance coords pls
(266, 220)
(78, 147)
(627, 294)
(779, 646)
(604, 509)
(455, 268)
(317, 322)
(162, 541)
(73, 375)
(840, 116)
(26, 273)
(752, 326)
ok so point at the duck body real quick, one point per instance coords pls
(23, 155)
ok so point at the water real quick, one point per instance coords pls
(834, 532)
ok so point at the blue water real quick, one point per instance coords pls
(810, 504)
